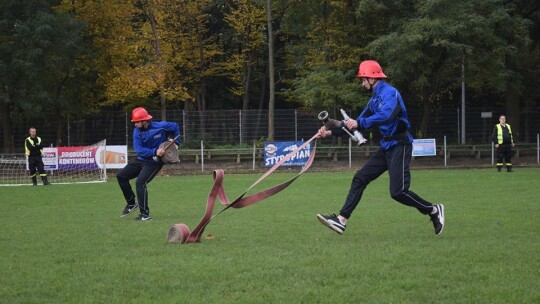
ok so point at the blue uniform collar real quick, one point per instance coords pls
(381, 85)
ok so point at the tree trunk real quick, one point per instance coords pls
(200, 110)
(338, 139)
(59, 127)
(202, 92)
(203, 99)
(271, 84)
(261, 102)
(248, 68)
(7, 131)
(426, 115)
(59, 118)
(512, 106)
(157, 49)
(526, 119)
(512, 112)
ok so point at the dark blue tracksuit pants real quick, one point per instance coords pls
(396, 162)
(144, 172)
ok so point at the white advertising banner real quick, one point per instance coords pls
(114, 157)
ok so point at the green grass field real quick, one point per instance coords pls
(67, 243)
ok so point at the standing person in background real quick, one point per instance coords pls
(34, 152)
(385, 110)
(148, 135)
(504, 142)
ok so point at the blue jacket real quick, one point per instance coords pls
(146, 142)
(386, 110)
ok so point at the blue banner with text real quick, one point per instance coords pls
(276, 151)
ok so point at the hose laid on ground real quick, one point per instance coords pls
(179, 233)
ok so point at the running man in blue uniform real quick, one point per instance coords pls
(385, 110)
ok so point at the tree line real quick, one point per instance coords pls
(67, 59)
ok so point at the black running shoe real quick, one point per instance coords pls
(438, 219)
(143, 217)
(332, 222)
(129, 208)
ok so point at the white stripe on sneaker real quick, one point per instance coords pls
(440, 216)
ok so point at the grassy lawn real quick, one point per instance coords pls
(67, 243)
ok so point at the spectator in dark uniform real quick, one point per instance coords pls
(33, 149)
(504, 142)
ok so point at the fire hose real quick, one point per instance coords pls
(180, 233)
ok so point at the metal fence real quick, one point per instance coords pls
(234, 127)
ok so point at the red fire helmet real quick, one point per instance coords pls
(140, 114)
(370, 69)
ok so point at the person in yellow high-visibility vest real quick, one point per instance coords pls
(504, 142)
(34, 151)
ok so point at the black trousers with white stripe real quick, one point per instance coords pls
(396, 162)
(144, 172)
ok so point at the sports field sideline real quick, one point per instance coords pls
(67, 243)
